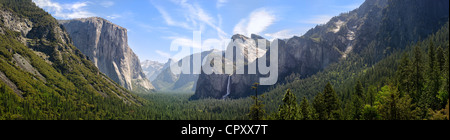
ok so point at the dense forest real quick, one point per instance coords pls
(44, 77)
(409, 84)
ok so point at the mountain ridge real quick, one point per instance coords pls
(355, 32)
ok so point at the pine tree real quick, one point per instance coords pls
(319, 107)
(359, 90)
(371, 95)
(417, 75)
(433, 78)
(331, 102)
(305, 109)
(390, 108)
(440, 58)
(289, 109)
(357, 101)
(257, 111)
(404, 73)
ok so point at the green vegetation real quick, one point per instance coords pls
(407, 85)
(380, 83)
(73, 90)
(176, 106)
(257, 111)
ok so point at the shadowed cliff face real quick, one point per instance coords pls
(106, 45)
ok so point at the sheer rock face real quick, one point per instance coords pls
(306, 55)
(106, 45)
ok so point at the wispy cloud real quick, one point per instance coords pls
(318, 19)
(107, 3)
(221, 3)
(168, 19)
(283, 34)
(195, 17)
(65, 11)
(257, 22)
(114, 16)
(163, 54)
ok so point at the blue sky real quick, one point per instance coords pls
(153, 24)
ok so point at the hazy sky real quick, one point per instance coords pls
(153, 24)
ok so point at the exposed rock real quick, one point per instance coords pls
(10, 84)
(152, 69)
(306, 55)
(169, 82)
(26, 66)
(15, 23)
(106, 45)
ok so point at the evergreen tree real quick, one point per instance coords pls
(257, 111)
(404, 73)
(372, 91)
(289, 109)
(359, 90)
(390, 108)
(357, 101)
(331, 102)
(440, 58)
(319, 107)
(433, 84)
(370, 113)
(396, 107)
(417, 75)
(305, 109)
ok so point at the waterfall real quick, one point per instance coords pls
(228, 88)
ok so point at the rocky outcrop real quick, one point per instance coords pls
(167, 81)
(306, 55)
(106, 45)
(215, 85)
(372, 31)
(152, 69)
(15, 23)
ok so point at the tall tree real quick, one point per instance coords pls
(359, 90)
(371, 93)
(440, 58)
(331, 102)
(433, 83)
(289, 109)
(404, 73)
(319, 107)
(305, 109)
(358, 103)
(417, 75)
(257, 111)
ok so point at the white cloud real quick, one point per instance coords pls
(318, 19)
(65, 11)
(196, 18)
(107, 4)
(168, 19)
(284, 34)
(221, 3)
(114, 16)
(163, 54)
(257, 22)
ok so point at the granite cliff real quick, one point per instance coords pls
(106, 45)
